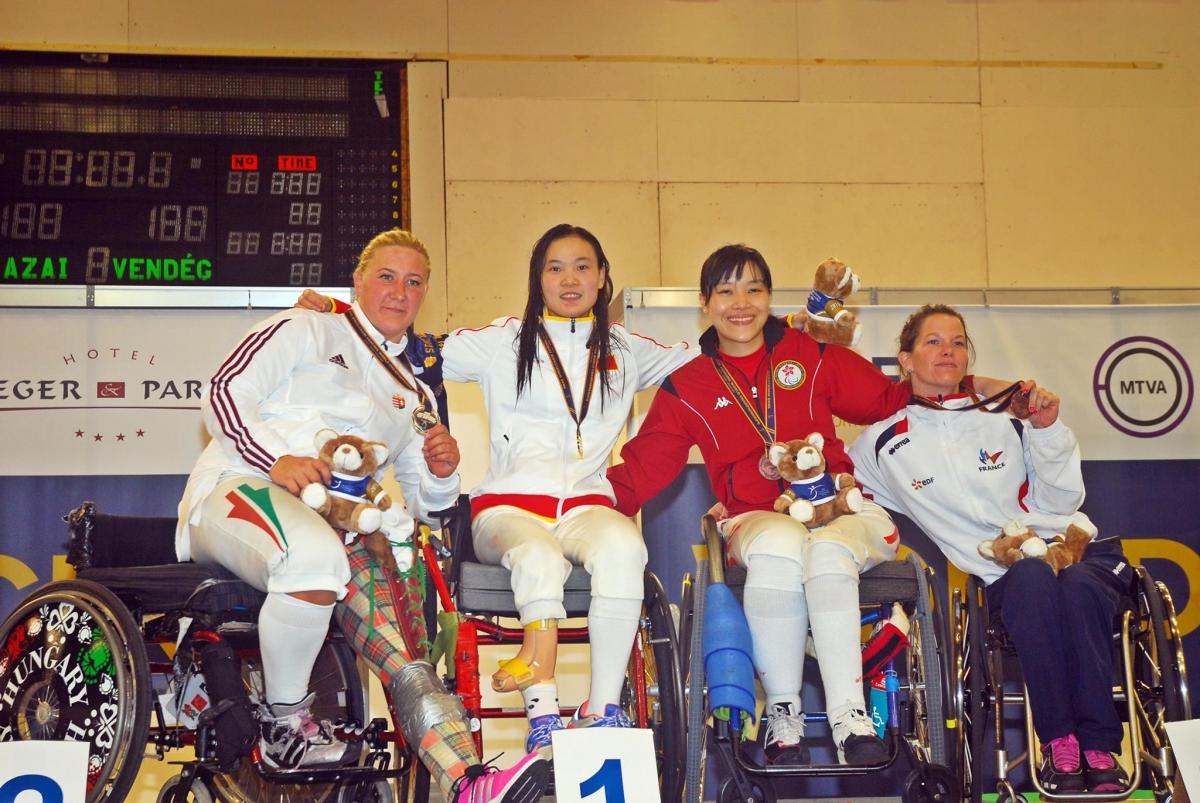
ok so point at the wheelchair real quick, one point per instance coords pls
(917, 718)
(1150, 690)
(92, 659)
(481, 594)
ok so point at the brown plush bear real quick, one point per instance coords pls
(354, 501)
(1019, 542)
(815, 496)
(826, 318)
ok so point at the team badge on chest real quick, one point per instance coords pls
(789, 374)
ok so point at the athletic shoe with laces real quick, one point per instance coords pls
(1060, 772)
(783, 737)
(524, 782)
(1102, 773)
(613, 717)
(541, 733)
(291, 738)
(857, 744)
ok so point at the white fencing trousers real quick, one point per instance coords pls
(869, 538)
(269, 539)
(539, 553)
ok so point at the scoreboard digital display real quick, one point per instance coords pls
(143, 171)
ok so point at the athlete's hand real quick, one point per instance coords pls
(1043, 404)
(311, 299)
(294, 473)
(441, 452)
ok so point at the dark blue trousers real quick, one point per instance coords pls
(1062, 628)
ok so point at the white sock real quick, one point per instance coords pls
(540, 699)
(612, 624)
(833, 611)
(290, 634)
(778, 626)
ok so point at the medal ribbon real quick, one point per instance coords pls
(387, 362)
(564, 383)
(1001, 400)
(765, 428)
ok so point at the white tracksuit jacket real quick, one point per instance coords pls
(294, 374)
(961, 476)
(533, 448)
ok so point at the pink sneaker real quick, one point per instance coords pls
(524, 782)
(1102, 773)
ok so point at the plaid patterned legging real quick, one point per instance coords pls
(368, 620)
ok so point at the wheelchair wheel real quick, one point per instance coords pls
(971, 700)
(339, 695)
(75, 656)
(925, 672)
(1159, 675)
(692, 617)
(664, 687)
(931, 784)
(760, 789)
(197, 794)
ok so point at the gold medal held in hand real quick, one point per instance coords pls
(424, 420)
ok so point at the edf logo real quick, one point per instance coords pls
(1143, 387)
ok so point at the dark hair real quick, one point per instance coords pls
(531, 321)
(912, 327)
(727, 264)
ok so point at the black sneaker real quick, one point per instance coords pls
(783, 737)
(857, 744)
(1102, 773)
(1060, 772)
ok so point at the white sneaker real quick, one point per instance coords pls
(292, 738)
(857, 744)
(783, 738)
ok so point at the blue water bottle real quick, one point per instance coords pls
(879, 705)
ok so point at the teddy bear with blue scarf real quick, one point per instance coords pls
(813, 496)
(826, 318)
(353, 501)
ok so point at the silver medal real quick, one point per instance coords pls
(424, 420)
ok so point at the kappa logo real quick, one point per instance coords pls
(339, 360)
(919, 484)
(722, 402)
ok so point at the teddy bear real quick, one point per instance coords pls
(814, 497)
(1017, 542)
(353, 501)
(826, 318)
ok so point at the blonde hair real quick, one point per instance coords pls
(391, 237)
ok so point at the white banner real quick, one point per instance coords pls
(109, 391)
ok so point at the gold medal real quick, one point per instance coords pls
(424, 420)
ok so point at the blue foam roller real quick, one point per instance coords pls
(728, 665)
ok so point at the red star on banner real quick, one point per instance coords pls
(79, 433)
(141, 433)
(97, 437)
(120, 436)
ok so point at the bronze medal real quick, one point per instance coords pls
(767, 468)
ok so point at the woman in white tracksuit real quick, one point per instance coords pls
(963, 475)
(559, 384)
